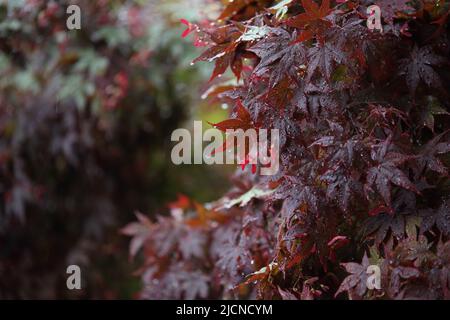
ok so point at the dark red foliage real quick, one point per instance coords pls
(363, 179)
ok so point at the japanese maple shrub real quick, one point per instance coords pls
(364, 141)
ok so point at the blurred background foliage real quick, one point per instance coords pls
(85, 123)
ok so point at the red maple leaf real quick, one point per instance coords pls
(190, 28)
(242, 121)
(312, 21)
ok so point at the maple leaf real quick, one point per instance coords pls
(184, 284)
(195, 285)
(341, 187)
(405, 262)
(204, 217)
(439, 218)
(242, 121)
(324, 58)
(242, 9)
(428, 155)
(276, 53)
(386, 172)
(391, 8)
(165, 236)
(345, 153)
(381, 224)
(383, 116)
(222, 54)
(139, 231)
(281, 94)
(226, 52)
(312, 21)
(399, 273)
(233, 257)
(384, 219)
(192, 244)
(232, 8)
(297, 195)
(419, 66)
(412, 251)
(356, 283)
(342, 183)
(190, 28)
(272, 47)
